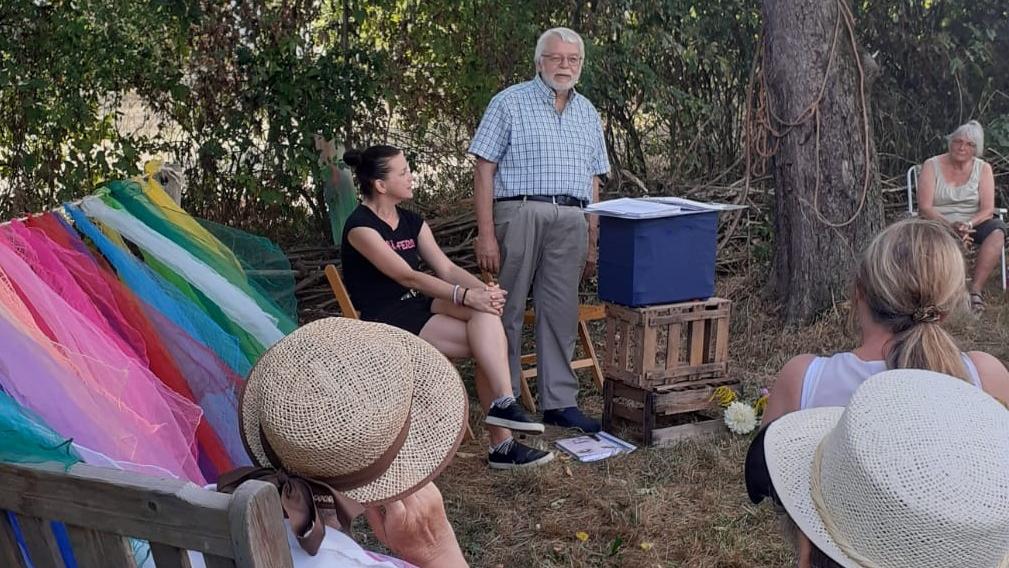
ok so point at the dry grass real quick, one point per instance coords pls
(682, 506)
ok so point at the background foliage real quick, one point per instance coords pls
(235, 91)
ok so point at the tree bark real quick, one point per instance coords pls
(816, 254)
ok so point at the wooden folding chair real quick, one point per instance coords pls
(347, 308)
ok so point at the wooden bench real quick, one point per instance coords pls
(100, 507)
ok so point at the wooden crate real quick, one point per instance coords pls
(663, 416)
(667, 344)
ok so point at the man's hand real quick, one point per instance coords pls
(417, 530)
(488, 257)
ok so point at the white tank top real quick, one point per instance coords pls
(957, 203)
(830, 381)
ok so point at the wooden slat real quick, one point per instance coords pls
(673, 345)
(218, 561)
(722, 341)
(340, 291)
(590, 355)
(624, 353)
(10, 552)
(676, 434)
(169, 556)
(257, 527)
(696, 343)
(38, 535)
(93, 549)
(610, 355)
(527, 396)
(591, 312)
(648, 347)
(169, 511)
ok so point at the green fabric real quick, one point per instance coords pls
(265, 265)
(24, 437)
(250, 346)
(207, 249)
(341, 199)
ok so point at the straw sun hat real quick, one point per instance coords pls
(913, 473)
(368, 409)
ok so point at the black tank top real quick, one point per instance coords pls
(371, 291)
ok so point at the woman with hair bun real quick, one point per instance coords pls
(910, 279)
(383, 245)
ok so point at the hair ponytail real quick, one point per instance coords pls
(911, 277)
(926, 345)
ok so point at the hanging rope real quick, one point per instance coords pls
(763, 129)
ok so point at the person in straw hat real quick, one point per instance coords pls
(909, 281)
(383, 246)
(911, 474)
(349, 417)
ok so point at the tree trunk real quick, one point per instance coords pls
(820, 226)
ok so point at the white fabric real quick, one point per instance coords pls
(337, 551)
(235, 303)
(912, 473)
(96, 458)
(830, 381)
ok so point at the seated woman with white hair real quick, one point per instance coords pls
(958, 188)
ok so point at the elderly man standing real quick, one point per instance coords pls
(540, 152)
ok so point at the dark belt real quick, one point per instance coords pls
(564, 200)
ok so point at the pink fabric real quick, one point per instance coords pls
(42, 255)
(156, 426)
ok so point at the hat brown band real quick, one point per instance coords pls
(297, 499)
(354, 479)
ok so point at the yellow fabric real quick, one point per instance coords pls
(176, 216)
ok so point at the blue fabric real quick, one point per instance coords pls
(539, 151)
(163, 297)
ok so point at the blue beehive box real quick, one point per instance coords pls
(657, 261)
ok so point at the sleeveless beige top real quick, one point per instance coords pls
(957, 203)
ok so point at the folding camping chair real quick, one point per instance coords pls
(912, 189)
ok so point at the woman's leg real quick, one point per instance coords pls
(987, 259)
(455, 338)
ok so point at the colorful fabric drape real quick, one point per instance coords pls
(155, 425)
(164, 297)
(232, 300)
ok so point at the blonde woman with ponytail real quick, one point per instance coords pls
(910, 279)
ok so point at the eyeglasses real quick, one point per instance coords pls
(573, 60)
(967, 143)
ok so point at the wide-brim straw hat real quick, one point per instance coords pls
(338, 395)
(912, 473)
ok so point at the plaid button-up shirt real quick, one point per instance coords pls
(539, 151)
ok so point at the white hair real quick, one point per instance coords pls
(971, 131)
(566, 35)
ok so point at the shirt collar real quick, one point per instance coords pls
(548, 93)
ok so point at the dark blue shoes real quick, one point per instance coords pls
(571, 417)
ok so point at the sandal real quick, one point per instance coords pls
(976, 302)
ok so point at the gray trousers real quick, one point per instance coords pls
(543, 248)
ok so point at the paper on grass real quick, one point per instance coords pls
(595, 447)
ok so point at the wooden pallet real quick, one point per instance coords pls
(664, 416)
(656, 346)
